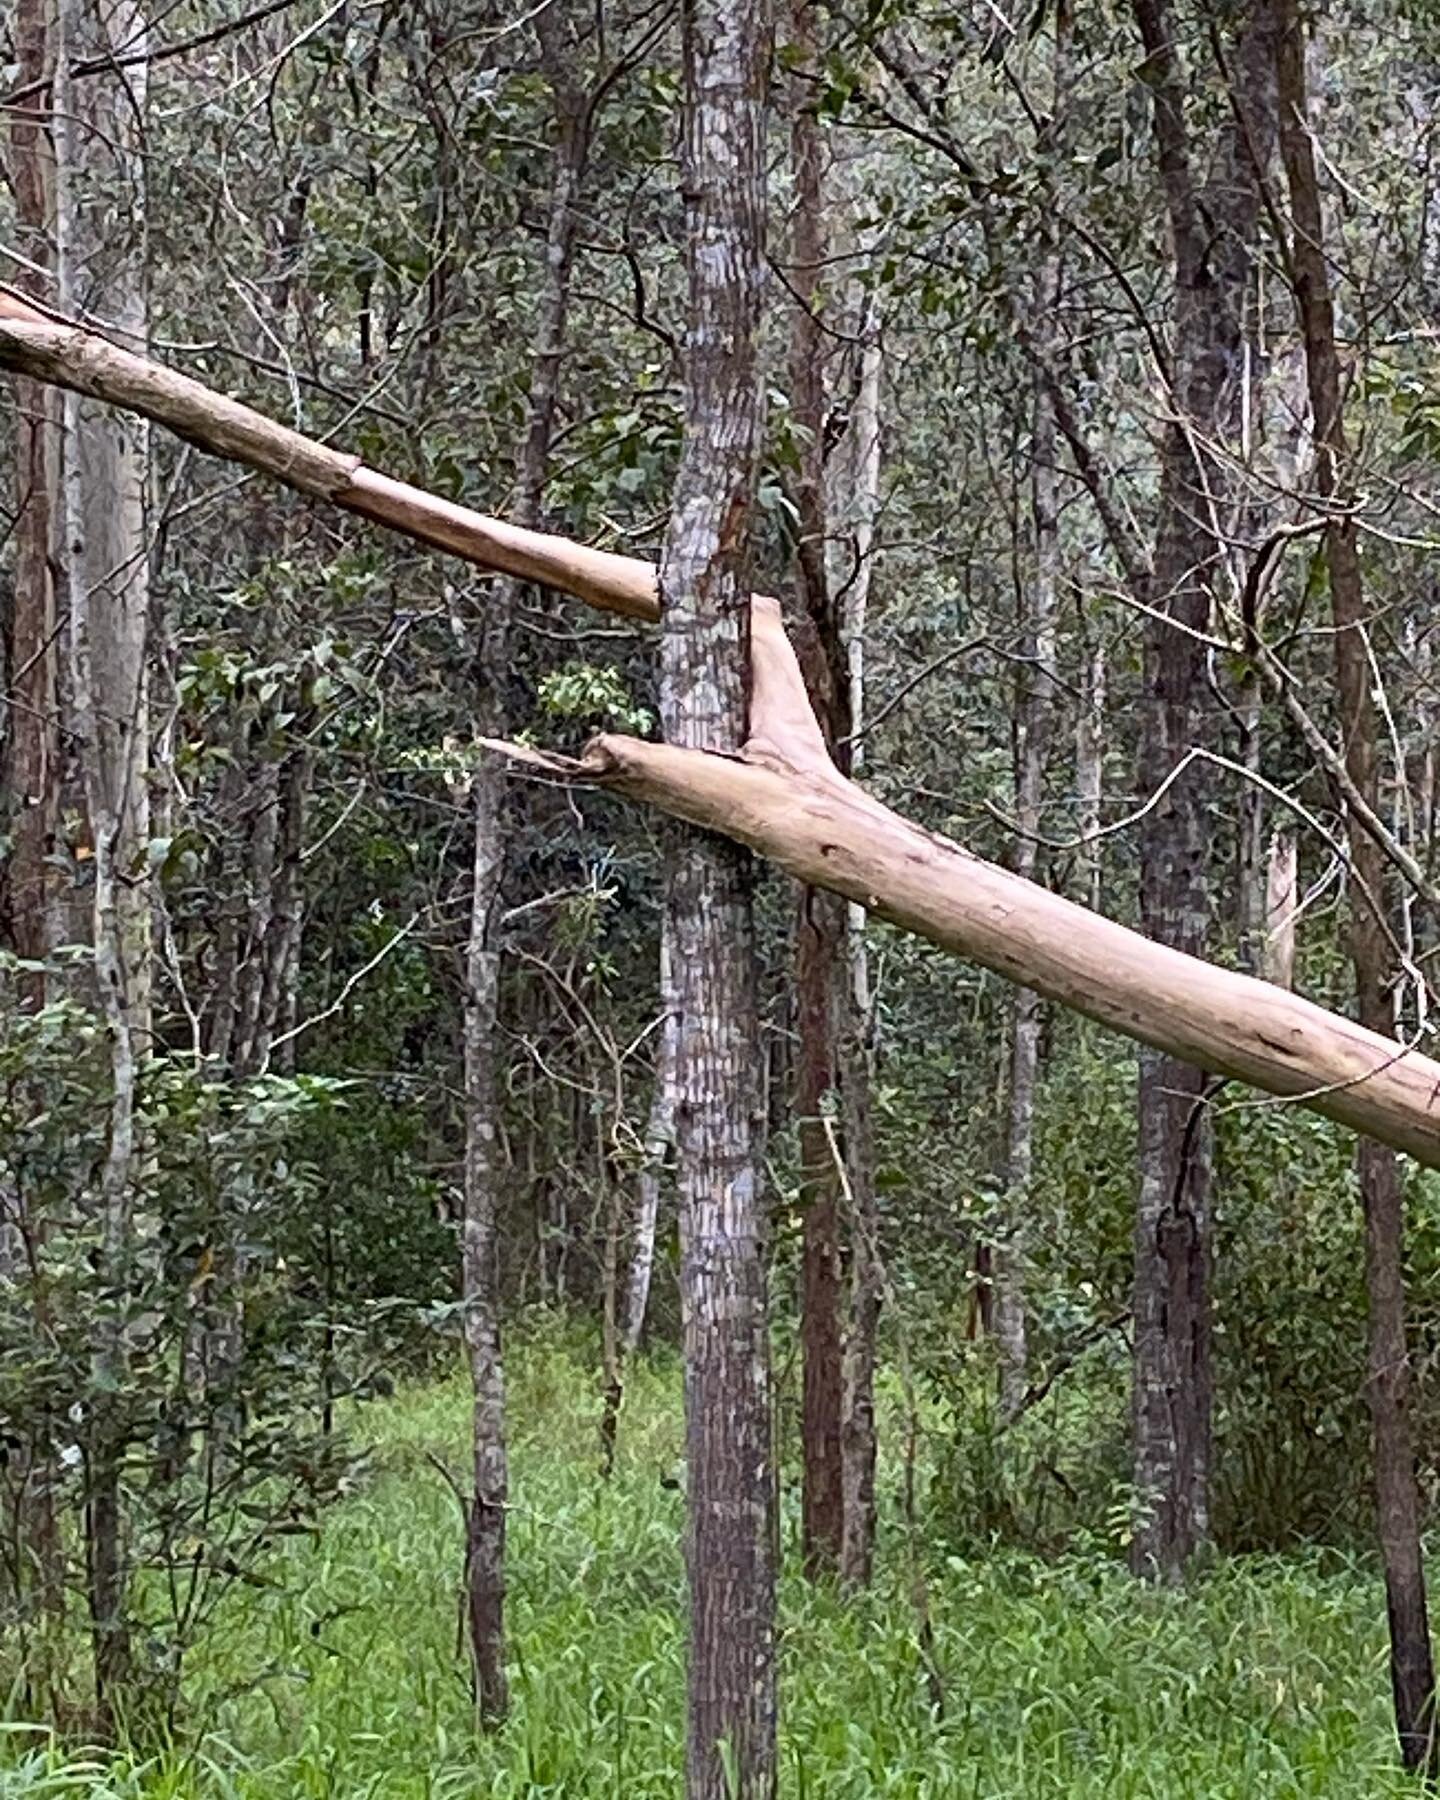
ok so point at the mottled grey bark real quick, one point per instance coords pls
(659, 1138)
(1398, 1510)
(100, 219)
(703, 702)
(855, 497)
(484, 1173)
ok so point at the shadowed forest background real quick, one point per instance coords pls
(1076, 378)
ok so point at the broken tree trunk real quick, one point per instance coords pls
(784, 798)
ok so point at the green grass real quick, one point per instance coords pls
(1060, 1679)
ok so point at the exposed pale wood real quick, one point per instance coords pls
(82, 361)
(785, 799)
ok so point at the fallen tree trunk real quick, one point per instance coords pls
(784, 798)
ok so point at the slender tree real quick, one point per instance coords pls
(703, 701)
(820, 945)
(1397, 1499)
(484, 1166)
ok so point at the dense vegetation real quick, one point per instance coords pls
(1070, 379)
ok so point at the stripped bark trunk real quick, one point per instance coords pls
(1213, 232)
(99, 143)
(1412, 1671)
(731, 1749)
(820, 927)
(484, 1174)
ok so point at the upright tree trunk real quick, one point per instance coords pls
(1032, 742)
(852, 563)
(1213, 232)
(484, 1174)
(100, 182)
(30, 761)
(1412, 1670)
(703, 702)
(820, 929)
(659, 1137)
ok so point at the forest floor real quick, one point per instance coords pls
(1061, 1678)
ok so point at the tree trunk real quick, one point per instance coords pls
(100, 178)
(30, 761)
(659, 1136)
(730, 1550)
(1412, 1671)
(1213, 232)
(857, 472)
(484, 1174)
(820, 931)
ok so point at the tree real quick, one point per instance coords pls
(703, 705)
(1397, 1499)
(1212, 223)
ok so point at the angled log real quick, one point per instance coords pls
(784, 798)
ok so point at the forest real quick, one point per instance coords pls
(719, 869)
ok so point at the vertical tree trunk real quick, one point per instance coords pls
(659, 1136)
(854, 491)
(1412, 1670)
(1032, 742)
(820, 927)
(30, 762)
(1213, 232)
(703, 681)
(1090, 770)
(1277, 960)
(100, 180)
(484, 1175)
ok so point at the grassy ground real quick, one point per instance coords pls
(1061, 1680)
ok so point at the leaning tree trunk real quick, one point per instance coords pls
(1213, 230)
(484, 1173)
(820, 931)
(703, 702)
(100, 179)
(1397, 1498)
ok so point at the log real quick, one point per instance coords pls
(784, 798)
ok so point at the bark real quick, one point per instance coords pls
(1278, 949)
(853, 497)
(484, 1172)
(1090, 769)
(821, 926)
(731, 1748)
(1412, 1671)
(659, 1137)
(30, 759)
(1213, 227)
(99, 145)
